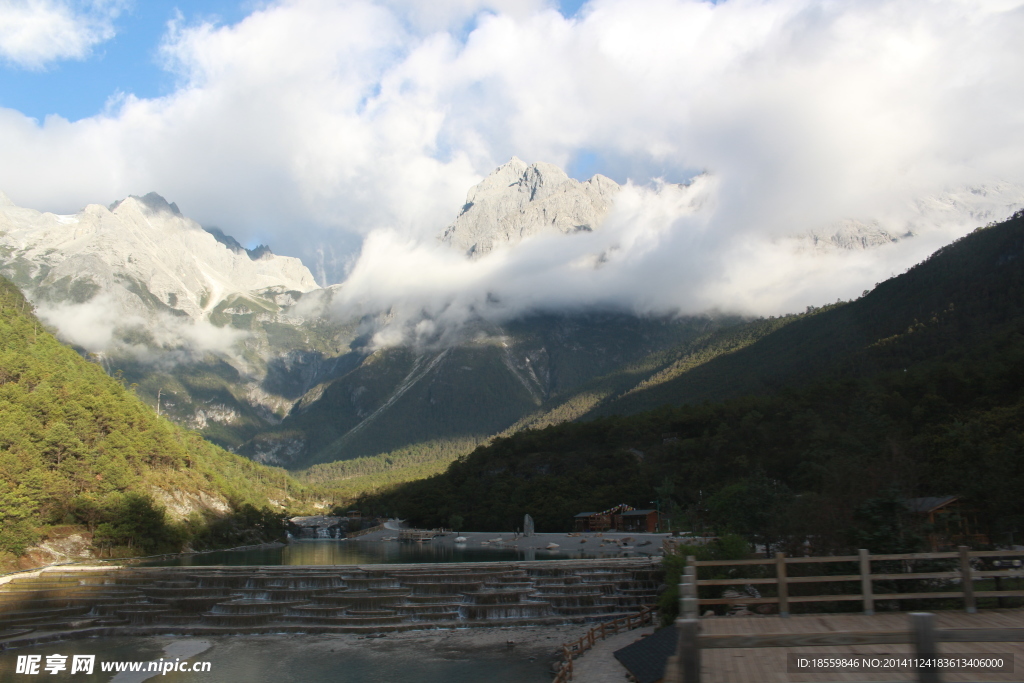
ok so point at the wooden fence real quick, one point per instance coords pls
(577, 647)
(685, 666)
(965, 573)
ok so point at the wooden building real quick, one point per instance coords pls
(949, 522)
(619, 518)
(639, 521)
(594, 521)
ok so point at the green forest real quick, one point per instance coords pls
(80, 452)
(344, 480)
(916, 389)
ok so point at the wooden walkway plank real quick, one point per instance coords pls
(768, 664)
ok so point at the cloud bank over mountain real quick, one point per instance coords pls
(656, 253)
(348, 134)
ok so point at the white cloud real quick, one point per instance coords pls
(103, 324)
(89, 325)
(34, 33)
(355, 128)
(661, 251)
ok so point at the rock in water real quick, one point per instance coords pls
(517, 201)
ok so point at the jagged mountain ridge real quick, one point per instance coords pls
(231, 243)
(141, 253)
(518, 200)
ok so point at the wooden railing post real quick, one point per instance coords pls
(689, 649)
(782, 586)
(689, 604)
(967, 579)
(866, 590)
(925, 645)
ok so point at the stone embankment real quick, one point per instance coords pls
(368, 599)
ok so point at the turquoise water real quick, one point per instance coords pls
(300, 658)
(328, 552)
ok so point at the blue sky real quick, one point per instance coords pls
(129, 63)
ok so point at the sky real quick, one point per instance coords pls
(347, 133)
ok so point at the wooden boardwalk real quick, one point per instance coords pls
(768, 664)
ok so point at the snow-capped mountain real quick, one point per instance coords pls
(518, 200)
(141, 253)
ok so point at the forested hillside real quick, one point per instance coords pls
(956, 296)
(578, 360)
(79, 450)
(916, 389)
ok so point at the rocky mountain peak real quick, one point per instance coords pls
(143, 255)
(5, 200)
(262, 251)
(518, 200)
(149, 203)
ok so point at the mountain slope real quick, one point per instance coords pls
(76, 447)
(398, 398)
(914, 398)
(946, 297)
